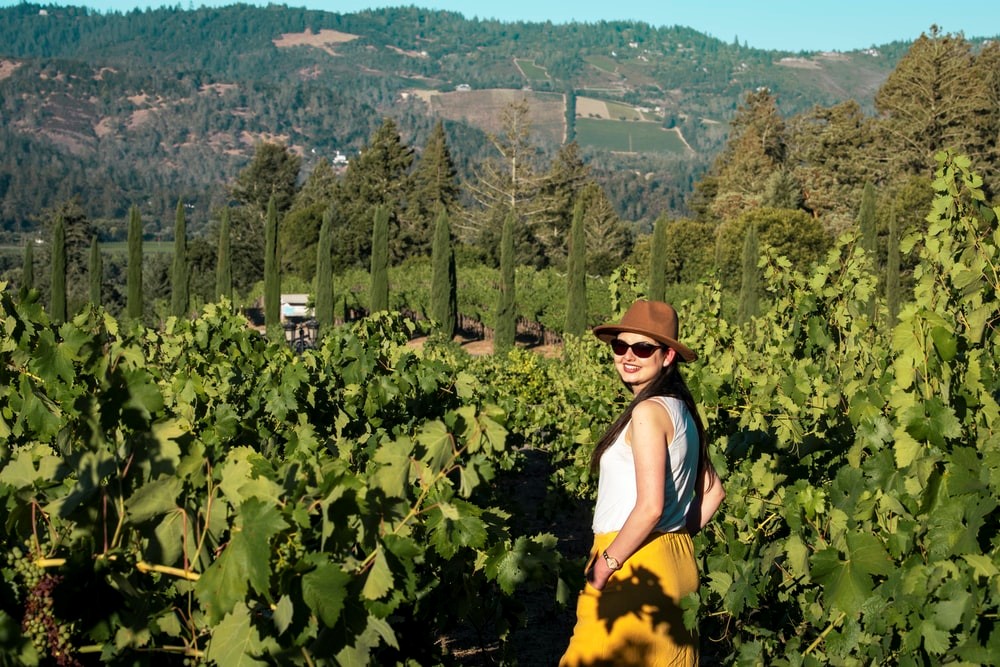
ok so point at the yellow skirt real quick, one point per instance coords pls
(637, 619)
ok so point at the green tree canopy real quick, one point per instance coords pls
(795, 235)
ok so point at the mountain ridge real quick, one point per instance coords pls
(154, 105)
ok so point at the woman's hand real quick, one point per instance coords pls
(598, 573)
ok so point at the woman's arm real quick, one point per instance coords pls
(648, 435)
(709, 494)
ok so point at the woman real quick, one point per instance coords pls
(656, 488)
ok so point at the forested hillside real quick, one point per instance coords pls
(148, 106)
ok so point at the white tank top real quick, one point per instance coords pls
(616, 487)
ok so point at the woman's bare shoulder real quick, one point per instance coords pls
(651, 409)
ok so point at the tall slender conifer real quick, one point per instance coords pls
(28, 267)
(57, 305)
(576, 275)
(324, 273)
(658, 261)
(224, 262)
(95, 272)
(749, 305)
(892, 271)
(179, 271)
(444, 280)
(272, 278)
(505, 333)
(379, 297)
(133, 306)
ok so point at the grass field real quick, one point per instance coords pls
(484, 109)
(627, 136)
(620, 111)
(606, 63)
(532, 71)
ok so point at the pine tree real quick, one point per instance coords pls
(379, 299)
(444, 280)
(28, 267)
(96, 272)
(781, 190)
(505, 333)
(576, 276)
(378, 176)
(892, 271)
(755, 148)
(223, 261)
(658, 261)
(133, 307)
(933, 99)
(272, 174)
(324, 274)
(509, 182)
(609, 239)
(749, 306)
(565, 179)
(272, 277)
(434, 186)
(57, 305)
(179, 272)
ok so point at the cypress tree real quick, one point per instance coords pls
(57, 305)
(866, 220)
(505, 333)
(179, 270)
(570, 115)
(576, 275)
(658, 261)
(444, 279)
(96, 272)
(133, 306)
(28, 267)
(223, 261)
(324, 273)
(892, 271)
(272, 279)
(379, 298)
(869, 237)
(750, 285)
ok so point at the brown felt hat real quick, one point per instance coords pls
(655, 319)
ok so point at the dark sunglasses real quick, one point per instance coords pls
(642, 349)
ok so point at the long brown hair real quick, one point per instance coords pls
(668, 382)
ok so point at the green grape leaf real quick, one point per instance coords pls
(437, 442)
(798, 556)
(359, 654)
(945, 343)
(235, 642)
(154, 498)
(324, 590)
(244, 562)
(936, 641)
(982, 565)
(948, 613)
(30, 465)
(42, 421)
(847, 582)
(379, 580)
(905, 448)
(284, 612)
(52, 361)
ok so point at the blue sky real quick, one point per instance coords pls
(793, 25)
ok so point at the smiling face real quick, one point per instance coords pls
(636, 371)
